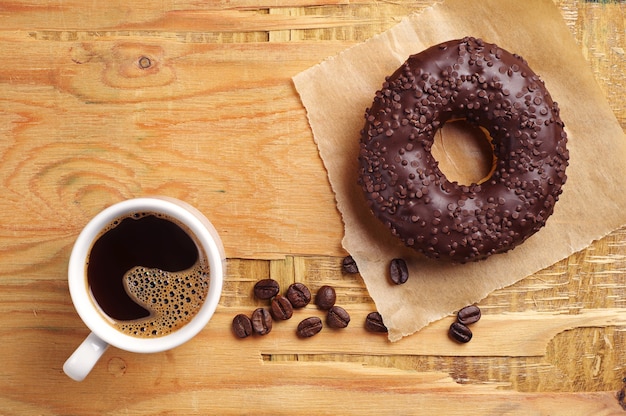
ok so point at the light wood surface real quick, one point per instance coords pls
(210, 115)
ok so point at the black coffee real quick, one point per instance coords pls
(147, 275)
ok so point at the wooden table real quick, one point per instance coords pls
(99, 103)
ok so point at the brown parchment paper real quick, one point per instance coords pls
(337, 91)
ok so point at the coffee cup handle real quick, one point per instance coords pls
(82, 360)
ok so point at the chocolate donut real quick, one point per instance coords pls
(486, 86)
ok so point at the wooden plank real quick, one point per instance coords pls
(216, 365)
(245, 16)
(599, 28)
(529, 332)
(93, 128)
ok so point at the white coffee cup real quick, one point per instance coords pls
(103, 333)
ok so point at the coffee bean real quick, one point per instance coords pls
(261, 321)
(266, 288)
(337, 317)
(299, 295)
(469, 315)
(460, 333)
(398, 271)
(242, 326)
(374, 323)
(348, 265)
(281, 308)
(325, 297)
(309, 327)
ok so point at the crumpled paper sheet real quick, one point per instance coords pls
(337, 91)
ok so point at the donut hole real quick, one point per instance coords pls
(464, 152)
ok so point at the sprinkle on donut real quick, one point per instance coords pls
(484, 85)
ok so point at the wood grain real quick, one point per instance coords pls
(195, 100)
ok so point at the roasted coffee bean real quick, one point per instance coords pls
(266, 288)
(337, 317)
(374, 323)
(242, 326)
(460, 332)
(469, 315)
(281, 308)
(325, 297)
(261, 321)
(398, 271)
(309, 327)
(348, 265)
(621, 395)
(299, 295)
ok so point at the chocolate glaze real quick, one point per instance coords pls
(487, 86)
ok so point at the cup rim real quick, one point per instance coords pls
(206, 235)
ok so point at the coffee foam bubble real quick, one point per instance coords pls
(172, 298)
